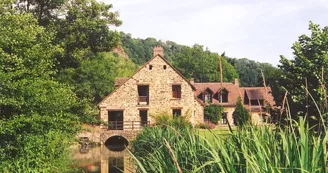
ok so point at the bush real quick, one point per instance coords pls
(213, 113)
(35, 143)
(206, 125)
(165, 119)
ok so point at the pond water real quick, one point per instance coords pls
(102, 160)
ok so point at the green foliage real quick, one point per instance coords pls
(241, 115)
(80, 26)
(192, 62)
(141, 50)
(166, 127)
(165, 119)
(26, 68)
(36, 143)
(84, 31)
(36, 112)
(203, 66)
(251, 149)
(249, 73)
(94, 78)
(213, 113)
(307, 72)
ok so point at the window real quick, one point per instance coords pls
(164, 67)
(256, 103)
(150, 67)
(143, 93)
(223, 96)
(143, 117)
(207, 97)
(176, 112)
(224, 118)
(176, 91)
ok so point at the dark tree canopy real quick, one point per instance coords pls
(306, 74)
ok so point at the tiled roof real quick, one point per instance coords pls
(258, 93)
(254, 94)
(233, 92)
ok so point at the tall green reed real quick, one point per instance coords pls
(295, 148)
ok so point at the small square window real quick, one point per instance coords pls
(176, 112)
(164, 67)
(150, 67)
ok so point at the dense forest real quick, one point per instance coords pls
(57, 63)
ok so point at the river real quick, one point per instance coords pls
(102, 160)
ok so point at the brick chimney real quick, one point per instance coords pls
(236, 82)
(158, 50)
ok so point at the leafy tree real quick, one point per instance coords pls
(305, 75)
(203, 66)
(80, 26)
(36, 112)
(213, 113)
(94, 79)
(250, 74)
(141, 50)
(241, 115)
(26, 67)
(273, 79)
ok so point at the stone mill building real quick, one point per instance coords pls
(159, 88)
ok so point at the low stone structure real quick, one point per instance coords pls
(102, 136)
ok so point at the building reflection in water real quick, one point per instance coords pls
(102, 160)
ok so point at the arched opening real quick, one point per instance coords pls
(116, 143)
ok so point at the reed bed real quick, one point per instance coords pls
(251, 149)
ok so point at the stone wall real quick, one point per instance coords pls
(229, 111)
(160, 83)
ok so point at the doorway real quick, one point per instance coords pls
(143, 117)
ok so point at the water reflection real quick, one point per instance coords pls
(102, 160)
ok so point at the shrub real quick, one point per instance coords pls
(165, 119)
(213, 113)
(241, 115)
(206, 125)
(35, 143)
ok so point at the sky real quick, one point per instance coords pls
(259, 30)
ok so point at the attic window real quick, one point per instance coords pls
(223, 96)
(150, 67)
(164, 67)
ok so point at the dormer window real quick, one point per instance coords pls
(207, 97)
(223, 96)
(164, 67)
(150, 67)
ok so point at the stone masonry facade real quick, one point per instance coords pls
(159, 76)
